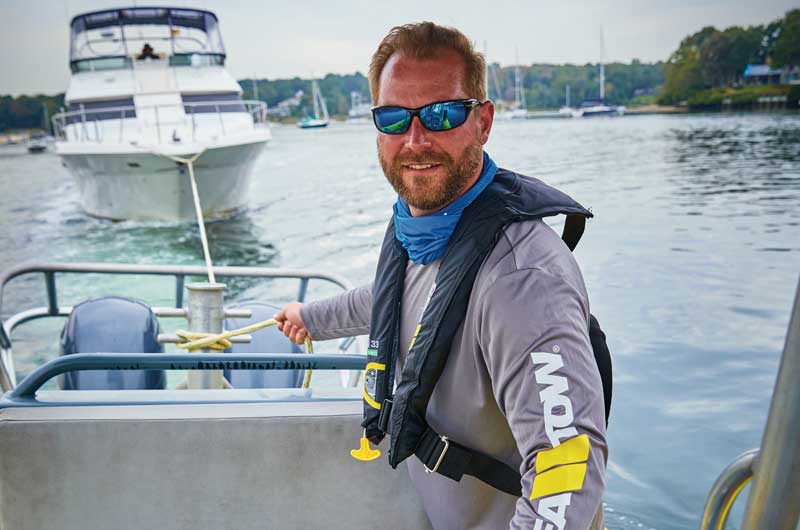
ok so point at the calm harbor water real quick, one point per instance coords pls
(691, 264)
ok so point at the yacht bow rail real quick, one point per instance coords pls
(49, 272)
(90, 123)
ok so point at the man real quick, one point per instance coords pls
(497, 389)
(147, 53)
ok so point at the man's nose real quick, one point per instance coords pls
(417, 135)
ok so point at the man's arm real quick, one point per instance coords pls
(535, 341)
(345, 315)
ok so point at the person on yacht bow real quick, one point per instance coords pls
(481, 360)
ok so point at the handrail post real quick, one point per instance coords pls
(194, 125)
(179, 281)
(772, 502)
(158, 124)
(52, 293)
(221, 122)
(83, 122)
(301, 294)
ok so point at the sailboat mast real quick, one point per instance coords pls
(602, 66)
(315, 97)
(602, 82)
(46, 116)
(519, 95)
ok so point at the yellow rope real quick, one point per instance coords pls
(219, 341)
(189, 163)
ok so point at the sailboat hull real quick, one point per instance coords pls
(313, 124)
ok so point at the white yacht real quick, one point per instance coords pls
(148, 84)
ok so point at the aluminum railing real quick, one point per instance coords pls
(49, 272)
(774, 468)
(90, 125)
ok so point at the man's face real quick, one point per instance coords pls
(430, 169)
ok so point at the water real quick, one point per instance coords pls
(691, 264)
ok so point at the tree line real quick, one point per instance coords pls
(544, 86)
(712, 58)
(28, 112)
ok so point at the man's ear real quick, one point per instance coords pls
(485, 119)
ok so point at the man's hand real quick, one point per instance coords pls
(291, 323)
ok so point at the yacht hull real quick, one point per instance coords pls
(148, 186)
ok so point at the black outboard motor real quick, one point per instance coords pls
(268, 340)
(111, 324)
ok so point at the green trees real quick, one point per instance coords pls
(786, 50)
(28, 112)
(712, 58)
(545, 84)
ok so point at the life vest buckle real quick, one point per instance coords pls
(441, 457)
(386, 413)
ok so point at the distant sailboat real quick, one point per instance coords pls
(518, 109)
(320, 117)
(591, 108)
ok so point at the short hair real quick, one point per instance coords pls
(422, 40)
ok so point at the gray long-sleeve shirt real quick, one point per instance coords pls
(520, 384)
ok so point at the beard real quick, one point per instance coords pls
(432, 192)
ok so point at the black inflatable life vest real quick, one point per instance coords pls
(508, 199)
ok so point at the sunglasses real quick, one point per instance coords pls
(438, 116)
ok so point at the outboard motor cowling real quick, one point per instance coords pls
(268, 340)
(111, 324)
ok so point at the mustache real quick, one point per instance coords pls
(422, 158)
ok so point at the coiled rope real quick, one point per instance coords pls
(218, 341)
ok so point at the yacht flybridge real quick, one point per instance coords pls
(148, 89)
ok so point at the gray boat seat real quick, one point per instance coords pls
(111, 324)
(268, 340)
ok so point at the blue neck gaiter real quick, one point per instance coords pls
(426, 237)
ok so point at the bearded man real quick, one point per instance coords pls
(481, 364)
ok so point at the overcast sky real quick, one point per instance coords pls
(278, 39)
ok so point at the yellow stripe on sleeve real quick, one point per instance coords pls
(558, 480)
(414, 337)
(574, 450)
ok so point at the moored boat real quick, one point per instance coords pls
(320, 118)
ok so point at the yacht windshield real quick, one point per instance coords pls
(113, 39)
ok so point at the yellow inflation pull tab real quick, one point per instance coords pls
(365, 453)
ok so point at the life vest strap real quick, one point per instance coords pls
(444, 456)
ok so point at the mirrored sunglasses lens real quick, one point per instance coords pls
(443, 116)
(392, 120)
